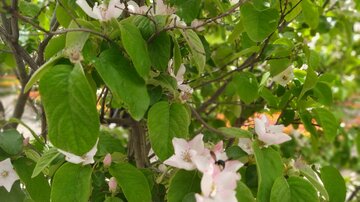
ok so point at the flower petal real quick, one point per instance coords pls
(87, 9)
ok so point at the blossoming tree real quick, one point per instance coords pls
(177, 100)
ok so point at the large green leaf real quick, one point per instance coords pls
(310, 13)
(183, 183)
(70, 107)
(243, 193)
(166, 121)
(246, 86)
(72, 182)
(334, 183)
(269, 168)
(196, 48)
(294, 189)
(132, 182)
(136, 47)
(328, 122)
(45, 160)
(259, 24)
(125, 84)
(11, 141)
(38, 187)
(159, 51)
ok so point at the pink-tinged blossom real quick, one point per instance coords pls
(112, 185)
(284, 77)
(7, 174)
(87, 158)
(246, 145)
(105, 12)
(219, 185)
(107, 160)
(270, 134)
(185, 152)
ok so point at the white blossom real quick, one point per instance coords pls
(284, 77)
(7, 174)
(87, 158)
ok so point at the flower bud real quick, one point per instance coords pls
(26, 141)
(112, 185)
(107, 160)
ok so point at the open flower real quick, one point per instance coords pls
(7, 174)
(285, 76)
(105, 12)
(270, 134)
(219, 185)
(185, 152)
(87, 158)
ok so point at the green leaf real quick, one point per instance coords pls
(55, 45)
(15, 195)
(38, 187)
(310, 13)
(166, 121)
(11, 141)
(29, 8)
(310, 82)
(243, 193)
(113, 199)
(136, 47)
(76, 39)
(269, 168)
(125, 84)
(334, 183)
(323, 93)
(278, 65)
(196, 48)
(42, 70)
(45, 160)
(328, 122)
(187, 9)
(236, 132)
(159, 51)
(62, 16)
(183, 183)
(314, 180)
(72, 182)
(176, 54)
(294, 189)
(246, 86)
(132, 182)
(71, 113)
(259, 24)
(268, 96)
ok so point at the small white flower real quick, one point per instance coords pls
(245, 145)
(270, 134)
(185, 89)
(87, 158)
(7, 174)
(162, 9)
(285, 76)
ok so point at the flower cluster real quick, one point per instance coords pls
(220, 175)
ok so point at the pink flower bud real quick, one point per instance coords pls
(26, 141)
(107, 160)
(112, 185)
